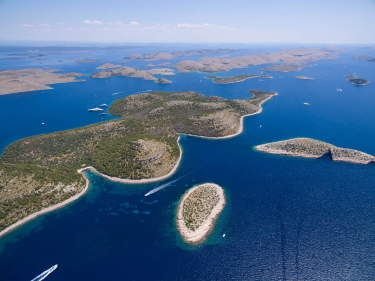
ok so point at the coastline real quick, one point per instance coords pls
(241, 123)
(141, 181)
(236, 81)
(204, 230)
(47, 210)
(368, 82)
(127, 181)
(336, 158)
(285, 153)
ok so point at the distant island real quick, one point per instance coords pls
(33, 79)
(198, 210)
(364, 57)
(160, 64)
(304, 78)
(294, 59)
(310, 148)
(232, 79)
(136, 73)
(163, 81)
(86, 60)
(39, 174)
(168, 56)
(266, 76)
(356, 81)
(284, 67)
(108, 66)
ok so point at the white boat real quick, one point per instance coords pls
(45, 273)
(95, 109)
(306, 103)
(103, 105)
(224, 235)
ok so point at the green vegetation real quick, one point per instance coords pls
(358, 81)
(198, 205)
(189, 112)
(40, 171)
(232, 79)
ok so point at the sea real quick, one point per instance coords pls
(286, 218)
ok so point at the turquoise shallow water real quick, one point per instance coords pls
(286, 218)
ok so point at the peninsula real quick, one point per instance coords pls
(294, 59)
(33, 79)
(198, 210)
(168, 55)
(135, 73)
(310, 148)
(232, 79)
(39, 173)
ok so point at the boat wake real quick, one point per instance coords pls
(45, 273)
(152, 191)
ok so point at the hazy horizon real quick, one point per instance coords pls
(216, 22)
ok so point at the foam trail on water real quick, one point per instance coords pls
(169, 183)
(161, 187)
(45, 273)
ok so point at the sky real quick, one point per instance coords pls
(189, 21)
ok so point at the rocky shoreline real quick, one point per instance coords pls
(198, 210)
(311, 148)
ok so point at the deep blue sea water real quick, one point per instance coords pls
(286, 218)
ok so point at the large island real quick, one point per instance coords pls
(136, 73)
(168, 55)
(232, 79)
(33, 79)
(292, 59)
(310, 148)
(197, 211)
(38, 174)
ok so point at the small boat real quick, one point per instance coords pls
(103, 113)
(43, 275)
(103, 105)
(306, 103)
(260, 126)
(224, 235)
(95, 109)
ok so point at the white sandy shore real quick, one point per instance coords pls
(241, 123)
(202, 232)
(46, 210)
(262, 148)
(114, 179)
(75, 197)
